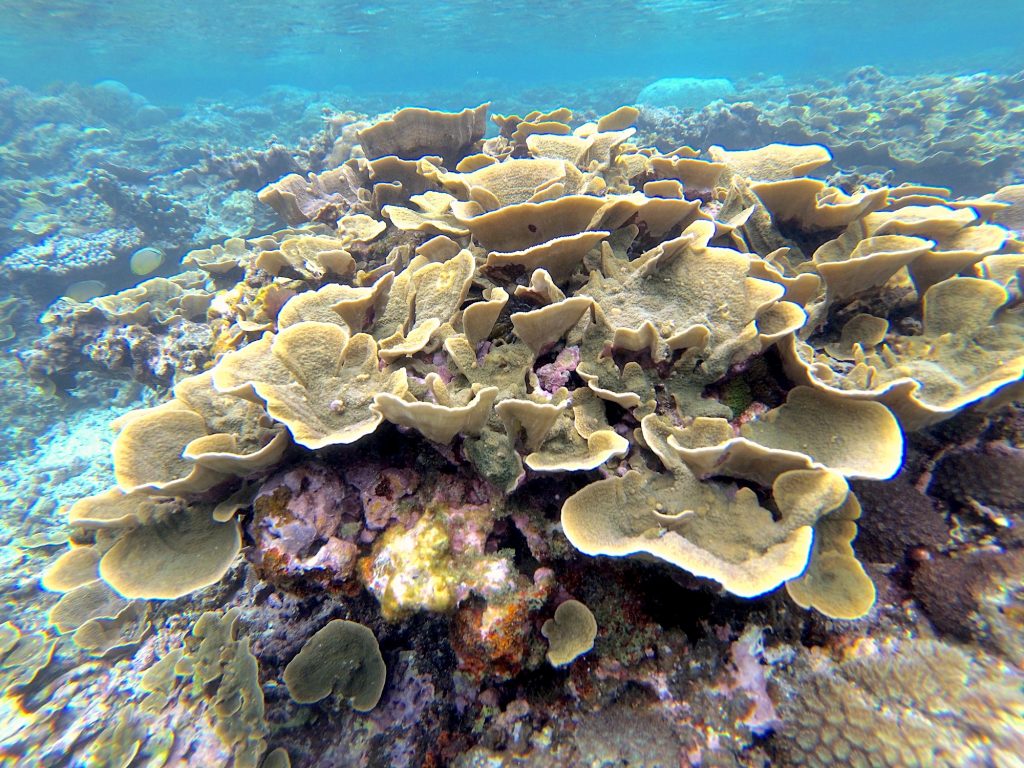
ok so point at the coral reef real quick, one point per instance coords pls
(92, 173)
(961, 131)
(528, 448)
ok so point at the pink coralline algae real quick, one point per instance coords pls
(382, 491)
(748, 677)
(303, 524)
(556, 374)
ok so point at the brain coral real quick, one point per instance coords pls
(562, 299)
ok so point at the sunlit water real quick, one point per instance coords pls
(175, 51)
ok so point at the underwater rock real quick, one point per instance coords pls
(304, 523)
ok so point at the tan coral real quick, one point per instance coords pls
(499, 184)
(439, 248)
(240, 441)
(433, 216)
(576, 440)
(704, 528)
(800, 288)
(434, 292)
(570, 634)
(414, 132)
(342, 658)
(527, 128)
(850, 264)
(437, 422)
(960, 239)
(22, 656)
(533, 418)
(541, 327)
(1002, 268)
(952, 255)
(392, 181)
(218, 259)
(314, 379)
(656, 215)
(773, 162)
(516, 227)
(471, 163)
(103, 635)
(835, 582)
(862, 330)
(630, 387)
(559, 257)
(148, 451)
(114, 508)
(479, 317)
(663, 298)
(316, 197)
(77, 566)
(618, 119)
(505, 366)
(316, 305)
(441, 287)
(592, 152)
(309, 256)
(358, 228)
(566, 451)
(171, 556)
(813, 205)
(812, 430)
(82, 603)
(541, 289)
(508, 124)
(359, 306)
(220, 667)
(161, 300)
(971, 348)
(693, 172)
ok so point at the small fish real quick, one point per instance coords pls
(85, 290)
(147, 260)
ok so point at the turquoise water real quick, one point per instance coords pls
(177, 51)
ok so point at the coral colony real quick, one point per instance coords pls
(441, 449)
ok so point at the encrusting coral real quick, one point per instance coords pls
(342, 658)
(570, 632)
(557, 299)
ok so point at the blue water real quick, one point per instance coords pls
(177, 51)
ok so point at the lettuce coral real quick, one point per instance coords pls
(562, 299)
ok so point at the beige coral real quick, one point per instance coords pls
(314, 379)
(570, 633)
(705, 528)
(970, 348)
(342, 658)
